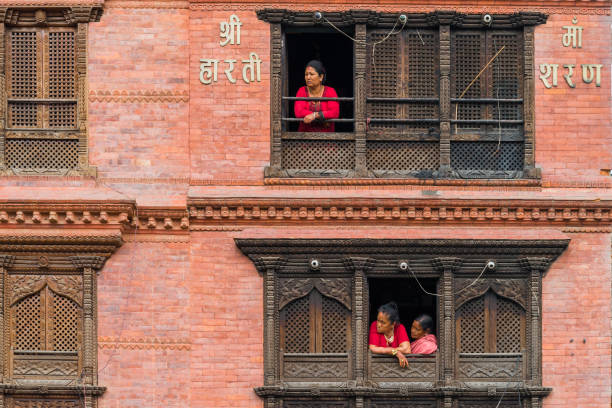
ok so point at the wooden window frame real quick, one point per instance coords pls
(286, 263)
(364, 22)
(67, 139)
(29, 377)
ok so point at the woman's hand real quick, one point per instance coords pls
(403, 361)
(310, 118)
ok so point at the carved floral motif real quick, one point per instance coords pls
(295, 288)
(316, 369)
(25, 285)
(513, 289)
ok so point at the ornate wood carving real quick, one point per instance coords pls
(514, 289)
(387, 369)
(335, 288)
(320, 369)
(46, 367)
(65, 285)
(445, 55)
(490, 370)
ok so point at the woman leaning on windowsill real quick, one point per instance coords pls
(388, 335)
(316, 113)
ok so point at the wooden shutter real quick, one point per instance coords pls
(490, 324)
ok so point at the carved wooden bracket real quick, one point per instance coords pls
(355, 264)
(94, 262)
(265, 263)
(6, 261)
(450, 264)
(537, 264)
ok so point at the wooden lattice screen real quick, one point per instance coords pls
(487, 130)
(315, 324)
(46, 321)
(403, 101)
(41, 98)
(490, 324)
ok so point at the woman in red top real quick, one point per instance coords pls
(316, 113)
(388, 335)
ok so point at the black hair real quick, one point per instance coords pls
(317, 66)
(426, 322)
(390, 309)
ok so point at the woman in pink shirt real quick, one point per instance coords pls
(316, 113)
(423, 341)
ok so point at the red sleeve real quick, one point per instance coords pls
(373, 338)
(301, 107)
(401, 334)
(332, 108)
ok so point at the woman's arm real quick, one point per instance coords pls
(301, 107)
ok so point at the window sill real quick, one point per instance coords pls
(337, 181)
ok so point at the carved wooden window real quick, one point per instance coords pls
(487, 110)
(49, 402)
(41, 98)
(415, 113)
(43, 70)
(490, 324)
(46, 328)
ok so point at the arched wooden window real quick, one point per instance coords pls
(490, 324)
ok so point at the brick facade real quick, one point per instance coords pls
(180, 308)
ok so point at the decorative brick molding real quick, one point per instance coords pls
(270, 211)
(147, 343)
(139, 96)
(154, 4)
(152, 219)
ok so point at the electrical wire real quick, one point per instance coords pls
(454, 293)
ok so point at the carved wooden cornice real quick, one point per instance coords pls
(379, 251)
(48, 13)
(238, 211)
(52, 389)
(388, 20)
(42, 215)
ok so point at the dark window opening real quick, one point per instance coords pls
(410, 298)
(335, 51)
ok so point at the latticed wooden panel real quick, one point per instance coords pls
(61, 64)
(62, 115)
(472, 326)
(296, 318)
(508, 326)
(23, 46)
(403, 155)
(45, 403)
(508, 402)
(24, 115)
(383, 62)
(41, 154)
(64, 323)
(403, 404)
(29, 323)
(318, 154)
(506, 72)
(334, 326)
(467, 52)
(505, 156)
(421, 78)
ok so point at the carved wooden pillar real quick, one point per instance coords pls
(90, 265)
(359, 402)
(447, 266)
(445, 105)
(270, 402)
(268, 266)
(5, 262)
(2, 88)
(529, 103)
(276, 93)
(81, 93)
(360, 101)
(535, 267)
(359, 266)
